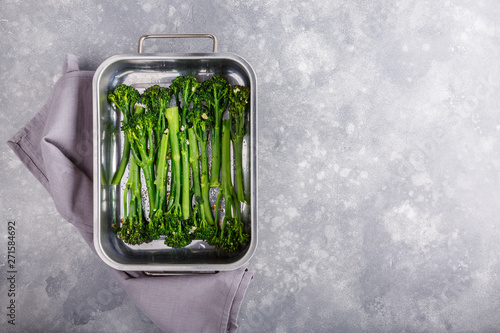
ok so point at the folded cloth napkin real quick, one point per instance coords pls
(56, 147)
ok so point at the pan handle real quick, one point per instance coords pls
(195, 35)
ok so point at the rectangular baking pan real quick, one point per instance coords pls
(142, 70)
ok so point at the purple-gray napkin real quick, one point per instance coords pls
(56, 147)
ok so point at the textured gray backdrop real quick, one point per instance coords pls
(379, 161)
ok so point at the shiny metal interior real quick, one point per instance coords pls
(142, 71)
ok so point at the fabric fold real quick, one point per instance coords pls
(56, 146)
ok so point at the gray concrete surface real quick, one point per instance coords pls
(378, 170)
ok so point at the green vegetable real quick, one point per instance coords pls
(199, 134)
(133, 229)
(237, 107)
(172, 115)
(123, 98)
(157, 100)
(214, 93)
(231, 236)
(139, 130)
(185, 89)
(168, 132)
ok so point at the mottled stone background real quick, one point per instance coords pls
(379, 159)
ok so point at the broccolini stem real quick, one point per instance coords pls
(205, 185)
(186, 183)
(173, 187)
(216, 159)
(145, 160)
(135, 185)
(141, 148)
(226, 181)
(214, 94)
(217, 205)
(125, 200)
(128, 209)
(172, 114)
(225, 161)
(117, 177)
(148, 171)
(238, 165)
(161, 172)
(194, 159)
(238, 101)
(216, 142)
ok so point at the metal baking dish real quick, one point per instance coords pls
(141, 71)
